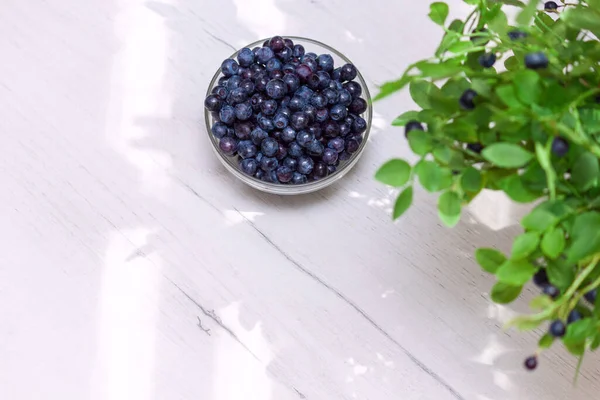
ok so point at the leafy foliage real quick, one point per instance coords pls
(515, 106)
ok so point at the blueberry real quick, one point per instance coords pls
(331, 95)
(268, 107)
(304, 138)
(352, 146)
(260, 82)
(550, 6)
(276, 43)
(335, 85)
(557, 328)
(330, 156)
(487, 60)
(311, 55)
(281, 151)
(223, 81)
(336, 74)
(243, 129)
(256, 100)
(343, 156)
(247, 86)
(516, 35)
(299, 120)
(298, 178)
(249, 166)
(475, 147)
(338, 144)
(274, 64)
(413, 125)
(256, 68)
(359, 125)
(305, 165)
(298, 51)
(237, 96)
(531, 363)
(318, 100)
(297, 103)
(213, 103)
(276, 89)
(324, 79)
(466, 100)
(344, 97)
(305, 92)
(269, 147)
(243, 111)
(304, 72)
(246, 73)
(265, 123)
(331, 169)
(221, 92)
(285, 54)
(540, 279)
(264, 54)
(551, 291)
(292, 82)
(219, 130)
(228, 145)
(289, 69)
(338, 112)
(260, 174)
(247, 149)
(354, 88)
(289, 43)
(234, 82)
(591, 296)
(288, 134)
(358, 106)
(322, 115)
(574, 316)
(268, 164)
(348, 72)
(537, 60)
(291, 163)
(560, 147)
(295, 150)
(227, 114)
(229, 67)
(258, 135)
(331, 129)
(320, 170)
(310, 63)
(259, 157)
(245, 57)
(315, 148)
(280, 121)
(276, 74)
(325, 62)
(345, 129)
(284, 174)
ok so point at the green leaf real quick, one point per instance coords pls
(403, 202)
(514, 188)
(391, 87)
(439, 70)
(585, 171)
(539, 219)
(499, 23)
(449, 203)
(540, 302)
(526, 322)
(553, 243)
(511, 64)
(524, 245)
(438, 12)
(508, 95)
(394, 173)
(590, 120)
(576, 349)
(489, 259)
(449, 220)
(430, 175)
(584, 236)
(462, 131)
(506, 155)
(504, 294)
(515, 272)
(482, 86)
(582, 18)
(578, 331)
(560, 273)
(420, 142)
(546, 341)
(460, 47)
(527, 86)
(471, 180)
(524, 17)
(404, 118)
(421, 91)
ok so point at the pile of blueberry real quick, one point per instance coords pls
(290, 117)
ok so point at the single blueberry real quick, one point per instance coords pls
(221, 92)
(352, 146)
(310, 63)
(256, 100)
(280, 121)
(311, 55)
(560, 147)
(246, 73)
(245, 57)
(229, 67)
(265, 123)
(256, 68)
(289, 69)
(330, 156)
(264, 54)
(574, 316)
(516, 35)
(237, 96)
(247, 86)
(223, 81)
(259, 157)
(284, 174)
(338, 112)
(282, 151)
(331, 129)
(335, 85)
(305, 92)
(331, 169)
(551, 291)
(467, 99)
(219, 130)
(213, 103)
(316, 130)
(540, 279)
(413, 125)
(537, 60)
(345, 98)
(557, 328)
(358, 106)
(269, 147)
(343, 156)
(246, 149)
(324, 79)
(227, 114)
(276, 89)
(338, 144)
(345, 129)
(487, 60)
(304, 72)
(531, 363)
(325, 62)
(276, 43)
(322, 115)
(285, 54)
(291, 163)
(349, 72)
(228, 145)
(299, 120)
(284, 110)
(297, 103)
(305, 165)
(298, 178)
(268, 163)
(249, 166)
(258, 135)
(314, 148)
(268, 107)
(298, 51)
(336, 74)
(234, 82)
(304, 138)
(550, 6)
(318, 100)
(243, 129)
(260, 174)
(295, 150)
(475, 147)
(243, 111)
(591, 296)
(354, 88)
(276, 74)
(261, 81)
(292, 82)
(320, 170)
(331, 95)
(359, 125)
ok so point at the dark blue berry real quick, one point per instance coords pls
(276, 89)
(256, 100)
(338, 144)
(247, 149)
(228, 145)
(348, 72)
(343, 156)
(345, 98)
(331, 169)
(297, 103)
(299, 120)
(475, 147)
(467, 99)
(245, 57)
(338, 112)
(574, 316)
(345, 129)
(260, 82)
(325, 62)
(413, 126)
(304, 72)
(311, 55)
(274, 65)
(358, 106)
(298, 178)
(291, 163)
(560, 147)
(487, 60)
(221, 92)
(591, 296)
(331, 95)
(354, 88)
(292, 82)
(295, 150)
(284, 174)
(331, 129)
(352, 146)
(259, 157)
(359, 125)
(281, 151)
(229, 67)
(298, 51)
(318, 100)
(247, 86)
(285, 54)
(335, 85)
(550, 6)
(304, 138)
(311, 63)
(260, 174)
(268, 107)
(322, 115)
(243, 111)
(280, 121)
(551, 291)
(284, 110)
(258, 135)
(531, 363)
(268, 163)
(288, 134)
(516, 35)
(234, 82)
(243, 129)
(315, 148)
(305, 92)
(336, 74)
(246, 73)
(219, 130)
(305, 165)
(264, 54)
(249, 166)
(269, 147)
(213, 103)
(227, 114)
(540, 279)
(236, 96)
(320, 170)
(557, 328)
(324, 79)
(537, 60)
(276, 43)
(289, 43)
(265, 123)
(330, 156)
(223, 81)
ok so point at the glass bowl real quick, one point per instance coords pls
(231, 163)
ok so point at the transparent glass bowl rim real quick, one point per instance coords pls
(231, 163)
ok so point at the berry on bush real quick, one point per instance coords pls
(550, 6)
(537, 60)
(467, 99)
(558, 328)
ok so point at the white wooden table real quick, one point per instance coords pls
(133, 266)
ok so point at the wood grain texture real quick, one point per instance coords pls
(133, 266)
